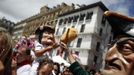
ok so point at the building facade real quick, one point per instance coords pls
(46, 16)
(18, 29)
(94, 33)
(7, 24)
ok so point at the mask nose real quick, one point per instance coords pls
(113, 53)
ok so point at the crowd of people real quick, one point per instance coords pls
(32, 55)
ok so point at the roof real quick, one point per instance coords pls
(100, 4)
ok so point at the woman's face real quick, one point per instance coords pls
(21, 55)
(22, 49)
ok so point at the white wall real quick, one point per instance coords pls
(90, 36)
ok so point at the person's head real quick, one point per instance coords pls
(32, 37)
(62, 64)
(66, 71)
(23, 57)
(45, 66)
(92, 71)
(56, 68)
(5, 51)
(23, 52)
(46, 35)
(120, 56)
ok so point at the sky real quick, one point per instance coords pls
(17, 10)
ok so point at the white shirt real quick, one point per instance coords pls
(24, 70)
(35, 63)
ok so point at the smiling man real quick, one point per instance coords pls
(120, 54)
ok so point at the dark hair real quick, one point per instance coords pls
(40, 37)
(45, 61)
(66, 69)
(5, 55)
(92, 71)
(28, 51)
(58, 70)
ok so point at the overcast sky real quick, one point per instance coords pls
(17, 10)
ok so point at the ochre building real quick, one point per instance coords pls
(47, 16)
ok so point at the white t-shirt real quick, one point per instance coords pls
(35, 63)
(24, 70)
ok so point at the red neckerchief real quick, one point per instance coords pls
(26, 61)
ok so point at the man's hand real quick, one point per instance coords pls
(69, 53)
(63, 46)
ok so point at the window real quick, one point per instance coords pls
(56, 21)
(82, 28)
(73, 26)
(64, 30)
(100, 33)
(75, 18)
(95, 59)
(57, 31)
(70, 19)
(61, 20)
(79, 42)
(65, 21)
(48, 23)
(82, 17)
(52, 22)
(89, 15)
(103, 20)
(110, 39)
(97, 46)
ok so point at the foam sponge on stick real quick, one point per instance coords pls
(69, 35)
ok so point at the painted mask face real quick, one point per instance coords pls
(47, 38)
(120, 58)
